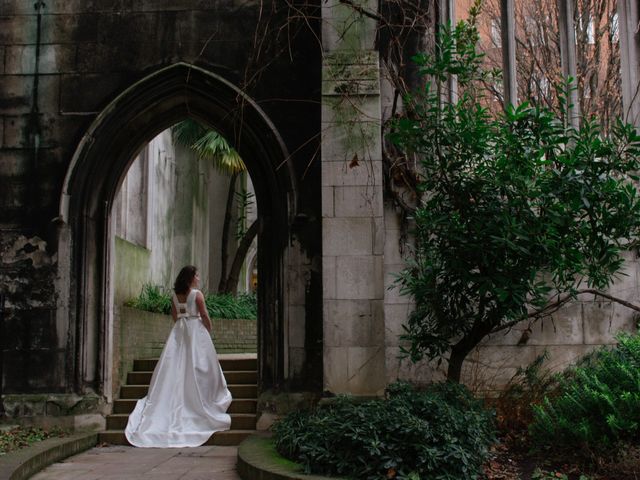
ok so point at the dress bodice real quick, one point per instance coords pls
(187, 309)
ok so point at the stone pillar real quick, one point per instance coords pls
(508, 32)
(352, 209)
(628, 18)
(568, 58)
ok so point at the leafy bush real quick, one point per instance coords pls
(156, 299)
(598, 403)
(152, 298)
(227, 306)
(442, 433)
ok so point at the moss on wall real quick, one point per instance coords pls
(132, 264)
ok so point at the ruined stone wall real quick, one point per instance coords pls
(63, 62)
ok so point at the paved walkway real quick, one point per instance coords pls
(129, 463)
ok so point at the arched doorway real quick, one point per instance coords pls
(100, 161)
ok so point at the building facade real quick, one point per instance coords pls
(301, 92)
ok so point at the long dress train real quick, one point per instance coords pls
(188, 394)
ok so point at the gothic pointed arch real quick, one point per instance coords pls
(102, 158)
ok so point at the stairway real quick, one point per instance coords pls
(241, 373)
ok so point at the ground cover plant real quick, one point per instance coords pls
(578, 424)
(597, 406)
(156, 299)
(441, 433)
(18, 437)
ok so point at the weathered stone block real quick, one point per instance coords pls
(392, 293)
(128, 57)
(19, 130)
(17, 92)
(327, 202)
(346, 29)
(297, 359)
(14, 163)
(564, 328)
(169, 5)
(353, 323)
(400, 367)
(504, 356)
(366, 370)
(627, 284)
(346, 142)
(395, 316)
(345, 73)
(17, 30)
(352, 113)
(329, 280)
(53, 59)
(347, 236)
(298, 284)
(561, 357)
(359, 277)
(141, 27)
(358, 201)
(13, 193)
(69, 28)
(342, 173)
(394, 247)
(297, 326)
(378, 236)
(11, 7)
(335, 363)
(98, 90)
(603, 320)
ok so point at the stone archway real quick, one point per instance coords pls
(101, 160)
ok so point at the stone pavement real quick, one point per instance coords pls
(129, 463)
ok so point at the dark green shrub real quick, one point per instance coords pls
(156, 299)
(598, 402)
(442, 433)
(227, 306)
(152, 298)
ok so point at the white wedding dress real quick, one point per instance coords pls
(188, 394)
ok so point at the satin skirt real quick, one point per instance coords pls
(188, 394)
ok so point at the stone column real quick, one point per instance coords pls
(628, 18)
(568, 58)
(352, 209)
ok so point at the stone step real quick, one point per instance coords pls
(236, 377)
(238, 405)
(230, 363)
(229, 437)
(239, 421)
(237, 391)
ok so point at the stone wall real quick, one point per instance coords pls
(573, 331)
(61, 64)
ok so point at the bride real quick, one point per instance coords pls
(188, 394)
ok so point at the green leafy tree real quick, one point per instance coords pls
(209, 145)
(519, 213)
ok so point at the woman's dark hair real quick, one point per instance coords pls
(184, 279)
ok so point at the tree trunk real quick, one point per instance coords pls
(456, 359)
(226, 226)
(460, 350)
(241, 253)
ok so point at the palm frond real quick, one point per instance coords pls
(208, 145)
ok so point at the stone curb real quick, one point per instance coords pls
(258, 460)
(24, 463)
